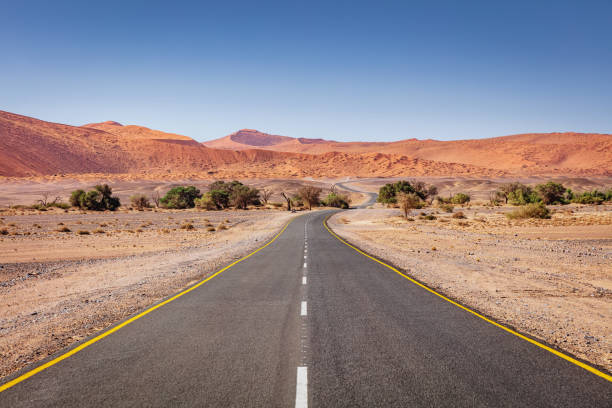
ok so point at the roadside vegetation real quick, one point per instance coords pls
(531, 200)
(99, 199)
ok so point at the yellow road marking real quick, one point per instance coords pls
(555, 352)
(75, 350)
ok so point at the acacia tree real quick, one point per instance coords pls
(551, 192)
(311, 195)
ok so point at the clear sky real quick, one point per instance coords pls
(343, 70)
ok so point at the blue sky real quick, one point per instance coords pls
(342, 70)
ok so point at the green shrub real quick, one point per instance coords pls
(460, 198)
(336, 200)
(180, 197)
(534, 210)
(551, 193)
(205, 202)
(140, 201)
(99, 199)
(523, 196)
(388, 193)
(591, 197)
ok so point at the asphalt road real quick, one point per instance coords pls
(358, 334)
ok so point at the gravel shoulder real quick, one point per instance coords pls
(551, 279)
(61, 287)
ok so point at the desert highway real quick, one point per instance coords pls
(308, 321)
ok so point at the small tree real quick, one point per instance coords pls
(76, 197)
(551, 193)
(155, 198)
(288, 199)
(242, 196)
(265, 195)
(408, 201)
(180, 197)
(310, 195)
(140, 201)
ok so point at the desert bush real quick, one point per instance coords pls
(99, 231)
(310, 195)
(459, 215)
(140, 202)
(4, 231)
(429, 217)
(205, 202)
(276, 205)
(63, 229)
(180, 197)
(99, 199)
(210, 229)
(388, 193)
(45, 207)
(447, 207)
(460, 198)
(408, 201)
(83, 232)
(534, 210)
(222, 227)
(242, 196)
(551, 193)
(187, 226)
(336, 200)
(590, 197)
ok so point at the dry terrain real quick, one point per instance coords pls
(551, 279)
(66, 275)
(32, 148)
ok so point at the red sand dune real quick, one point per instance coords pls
(529, 154)
(30, 147)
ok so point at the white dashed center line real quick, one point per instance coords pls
(304, 311)
(301, 391)
(304, 280)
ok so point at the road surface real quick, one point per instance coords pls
(308, 321)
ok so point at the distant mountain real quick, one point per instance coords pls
(532, 153)
(30, 147)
